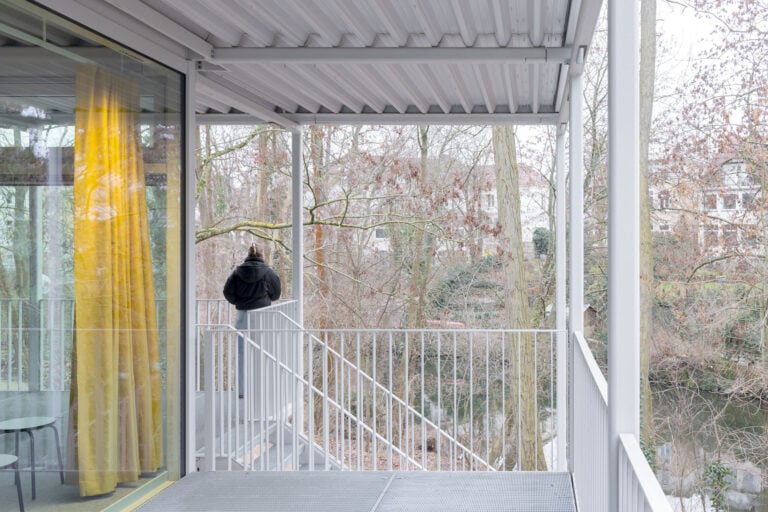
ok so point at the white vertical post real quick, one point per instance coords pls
(623, 232)
(560, 325)
(297, 283)
(190, 136)
(576, 166)
(576, 274)
(297, 230)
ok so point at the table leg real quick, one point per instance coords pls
(32, 461)
(58, 452)
(17, 481)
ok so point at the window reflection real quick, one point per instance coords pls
(89, 228)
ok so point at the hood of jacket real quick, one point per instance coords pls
(251, 270)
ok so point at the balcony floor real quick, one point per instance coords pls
(378, 491)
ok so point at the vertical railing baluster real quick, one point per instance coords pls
(471, 403)
(453, 446)
(210, 407)
(374, 415)
(389, 415)
(535, 397)
(407, 400)
(326, 439)
(423, 417)
(311, 401)
(519, 406)
(360, 400)
(552, 402)
(488, 419)
(439, 402)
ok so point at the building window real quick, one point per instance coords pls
(381, 233)
(710, 236)
(736, 175)
(730, 235)
(490, 201)
(664, 228)
(710, 202)
(729, 202)
(664, 202)
(746, 200)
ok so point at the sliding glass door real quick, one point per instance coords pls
(90, 265)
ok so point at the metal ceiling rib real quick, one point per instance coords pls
(297, 61)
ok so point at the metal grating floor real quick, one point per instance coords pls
(342, 491)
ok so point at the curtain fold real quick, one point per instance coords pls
(115, 406)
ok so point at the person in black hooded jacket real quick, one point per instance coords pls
(252, 285)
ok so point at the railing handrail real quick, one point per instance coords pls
(301, 380)
(644, 478)
(594, 369)
(466, 450)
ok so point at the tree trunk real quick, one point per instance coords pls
(647, 74)
(422, 250)
(521, 418)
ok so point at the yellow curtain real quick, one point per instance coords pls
(115, 409)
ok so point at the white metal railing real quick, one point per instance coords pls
(35, 344)
(219, 312)
(376, 399)
(590, 429)
(639, 490)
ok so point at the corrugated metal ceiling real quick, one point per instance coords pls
(304, 61)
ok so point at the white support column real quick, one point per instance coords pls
(560, 317)
(576, 271)
(623, 232)
(576, 166)
(190, 391)
(297, 213)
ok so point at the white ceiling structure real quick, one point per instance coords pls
(294, 62)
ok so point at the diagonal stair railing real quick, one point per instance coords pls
(375, 399)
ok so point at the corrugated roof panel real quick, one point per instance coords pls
(421, 73)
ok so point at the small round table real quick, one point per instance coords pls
(29, 424)
(12, 461)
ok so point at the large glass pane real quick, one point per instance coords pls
(90, 150)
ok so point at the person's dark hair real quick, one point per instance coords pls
(255, 251)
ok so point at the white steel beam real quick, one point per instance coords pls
(121, 27)
(388, 55)
(560, 304)
(443, 119)
(245, 101)
(623, 233)
(164, 25)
